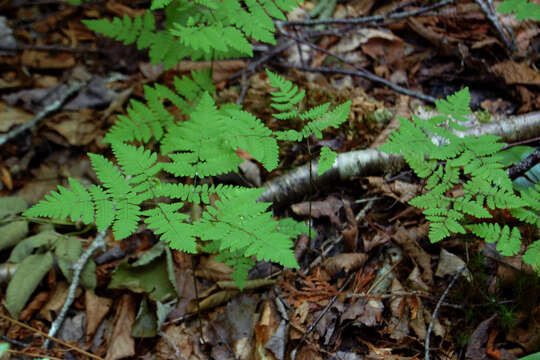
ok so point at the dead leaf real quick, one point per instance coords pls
(399, 321)
(517, 73)
(78, 128)
(329, 207)
(450, 264)
(121, 343)
(408, 239)
(55, 301)
(212, 270)
(344, 262)
(476, 347)
(265, 329)
(44, 60)
(10, 116)
(96, 309)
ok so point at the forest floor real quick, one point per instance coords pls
(370, 284)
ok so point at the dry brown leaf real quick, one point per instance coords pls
(345, 262)
(212, 301)
(55, 301)
(79, 128)
(329, 207)
(43, 60)
(212, 270)
(516, 73)
(121, 343)
(11, 116)
(96, 309)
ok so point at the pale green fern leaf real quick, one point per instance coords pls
(205, 150)
(456, 105)
(288, 135)
(333, 118)
(55, 204)
(159, 4)
(509, 242)
(110, 176)
(522, 8)
(249, 134)
(104, 205)
(127, 217)
(136, 161)
(326, 160)
(166, 221)
(240, 223)
(532, 255)
(288, 94)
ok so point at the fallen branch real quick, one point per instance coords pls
(99, 242)
(371, 162)
(74, 87)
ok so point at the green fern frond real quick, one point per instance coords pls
(333, 118)
(126, 30)
(166, 221)
(104, 206)
(250, 134)
(159, 4)
(288, 95)
(238, 224)
(201, 150)
(522, 8)
(54, 206)
(456, 105)
(532, 256)
(508, 241)
(136, 161)
(326, 160)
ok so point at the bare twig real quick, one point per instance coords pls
(37, 331)
(368, 19)
(13, 341)
(74, 87)
(491, 15)
(372, 162)
(436, 311)
(99, 242)
(528, 163)
(266, 57)
(51, 48)
(324, 311)
(363, 74)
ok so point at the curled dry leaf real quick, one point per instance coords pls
(344, 262)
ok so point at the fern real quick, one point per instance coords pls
(144, 122)
(522, 8)
(132, 190)
(468, 164)
(209, 29)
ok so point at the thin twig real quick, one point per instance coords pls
(78, 267)
(74, 87)
(367, 19)
(437, 307)
(14, 342)
(255, 64)
(487, 8)
(364, 74)
(61, 342)
(324, 311)
(52, 48)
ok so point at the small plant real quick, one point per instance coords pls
(468, 166)
(133, 190)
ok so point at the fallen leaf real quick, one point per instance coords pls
(45, 60)
(121, 343)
